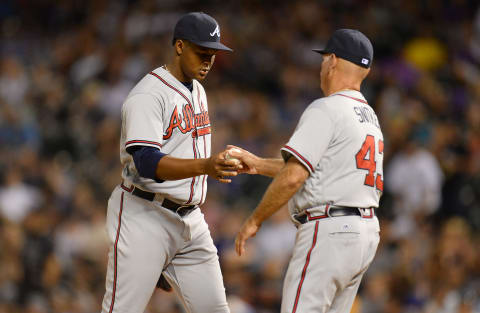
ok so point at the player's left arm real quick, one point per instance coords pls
(285, 184)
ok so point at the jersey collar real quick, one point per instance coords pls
(172, 80)
(357, 95)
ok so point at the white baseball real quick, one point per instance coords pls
(229, 157)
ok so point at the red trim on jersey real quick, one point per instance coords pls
(116, 254)
(143, 141)
(203, 186)
(201, 132)
(193, 178)
(127, 189)
(202, 108)
(356, 99)
(163, 81)
(300, 156)
(201, 103)
(194, 150)
(304, 272)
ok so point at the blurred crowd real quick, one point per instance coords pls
(66, 66)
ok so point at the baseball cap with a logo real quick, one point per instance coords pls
(351, 45)
(201, 29)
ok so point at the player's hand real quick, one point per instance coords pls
(220, 168)
(249, 229)
(249, 160)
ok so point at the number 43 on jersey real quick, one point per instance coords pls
(365, 158)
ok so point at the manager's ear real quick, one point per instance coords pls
(332, 65)
(334, 61)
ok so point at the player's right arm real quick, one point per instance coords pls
(253, 164)
(171, 168)
(143, 126)
(152, 163)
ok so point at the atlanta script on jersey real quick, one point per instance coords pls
(161, 112)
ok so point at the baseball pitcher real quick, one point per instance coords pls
(153, 221)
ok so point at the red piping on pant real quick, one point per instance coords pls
(304, 272)
(115, 255)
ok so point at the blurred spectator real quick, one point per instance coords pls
(414, 178)
(17, 199)
(14, 82)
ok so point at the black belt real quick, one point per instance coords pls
(334, 212)
(180, 209)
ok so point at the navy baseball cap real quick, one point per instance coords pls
(351, 45)
(201, 29)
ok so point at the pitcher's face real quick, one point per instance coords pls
(196, 61)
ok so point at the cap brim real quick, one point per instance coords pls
(212, 45)
(321, 51)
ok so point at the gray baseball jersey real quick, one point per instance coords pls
(339, 141)
(172, 119)
(147, 238)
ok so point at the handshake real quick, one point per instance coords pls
(234, 151)
(231, 162)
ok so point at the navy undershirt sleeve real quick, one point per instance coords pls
(146, 161)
